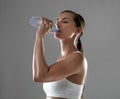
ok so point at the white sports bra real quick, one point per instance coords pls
(63, 89)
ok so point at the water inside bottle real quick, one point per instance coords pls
(36, 22)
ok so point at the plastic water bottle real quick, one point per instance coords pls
(36, 22)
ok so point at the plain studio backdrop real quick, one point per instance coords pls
(100, 41)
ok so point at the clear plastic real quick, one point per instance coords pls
(36, 22)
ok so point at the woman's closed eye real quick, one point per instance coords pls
(64, 21)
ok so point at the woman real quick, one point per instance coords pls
(65, 78)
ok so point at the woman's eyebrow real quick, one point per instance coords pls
(63, 18)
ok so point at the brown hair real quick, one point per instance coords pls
(80, 22)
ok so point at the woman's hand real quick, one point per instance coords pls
(45, 27)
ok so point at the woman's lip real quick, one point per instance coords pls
(58, 30)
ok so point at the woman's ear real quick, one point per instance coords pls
(79, 30)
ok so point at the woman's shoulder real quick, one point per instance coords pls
(73, 56)
(77, 54)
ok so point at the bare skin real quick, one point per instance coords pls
(72, 60)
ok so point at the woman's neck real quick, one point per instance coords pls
(67, 47)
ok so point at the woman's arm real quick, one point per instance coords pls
(40, 67)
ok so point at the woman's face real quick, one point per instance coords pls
(66, 26)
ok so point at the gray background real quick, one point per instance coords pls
(100, 41)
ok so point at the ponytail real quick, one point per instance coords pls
(79, 45)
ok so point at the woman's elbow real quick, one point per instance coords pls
(37, 79)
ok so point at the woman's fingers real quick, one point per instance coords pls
(46, 21)
(45, 27)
